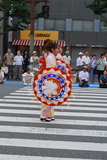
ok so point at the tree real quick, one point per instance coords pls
(99, 7)
(17, 9)
(19, 12)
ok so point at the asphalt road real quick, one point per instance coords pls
(7, 89)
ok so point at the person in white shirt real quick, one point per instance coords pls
(1, 76)
(84, 77)
(28, 77)
(79, 62)
(105, 58)
(18, 59)
(67, 58)
(86, 59)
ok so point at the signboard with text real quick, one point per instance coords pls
(40, 35)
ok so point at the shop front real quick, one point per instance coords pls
(39, 37)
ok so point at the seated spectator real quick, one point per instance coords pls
(1, 76)
(28, 77)
(103, 80)
(84, 77)
(5, 70)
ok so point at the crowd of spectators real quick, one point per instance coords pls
(22, 67)
(89, 67)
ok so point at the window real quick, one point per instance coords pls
(35, 24)
(80, 25)
(77, 25)
(88, 25)
(103, 28)
(59, 25)
(49, 24)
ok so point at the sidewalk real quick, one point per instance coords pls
(9, 82)
(13, 82)
(90, 85)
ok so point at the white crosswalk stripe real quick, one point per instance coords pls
(78, 133)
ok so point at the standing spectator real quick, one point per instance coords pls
(26, 59)
(8, 59)
(93, 68)
(67, 58)
(5, 70)
(79, 62)
(31, 63)
(42, 60)
(1, 76)
(28, 77)
(103, 80)
(100, 66)
(84, 77)
(34, 61)
(59, 56)
(86, 59)
(105, 58)
(42, 54)
(18, 65)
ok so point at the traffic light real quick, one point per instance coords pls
(45, 11)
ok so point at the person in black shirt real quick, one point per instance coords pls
(25, 60)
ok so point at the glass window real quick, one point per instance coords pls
(103, 28)
(88, 25)
(49, 24)
(35, 24)
(60, 25)
(77, 25)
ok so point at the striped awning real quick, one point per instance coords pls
(21, 42)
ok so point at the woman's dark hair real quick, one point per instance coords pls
(24, 53)
(102, 54)
(49, 44)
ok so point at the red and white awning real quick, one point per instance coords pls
(21, 42)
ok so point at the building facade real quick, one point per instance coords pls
(77, 26)
(1, 41)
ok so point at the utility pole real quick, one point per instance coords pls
(32, 20)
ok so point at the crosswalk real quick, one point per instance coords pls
(78, 133)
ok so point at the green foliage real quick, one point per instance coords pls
(18, 9)
(99, 7)
(38, 14)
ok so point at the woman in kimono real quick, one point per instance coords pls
(47, 112)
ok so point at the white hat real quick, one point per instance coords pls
(85, 67)
(80, 53)
(34, 52)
